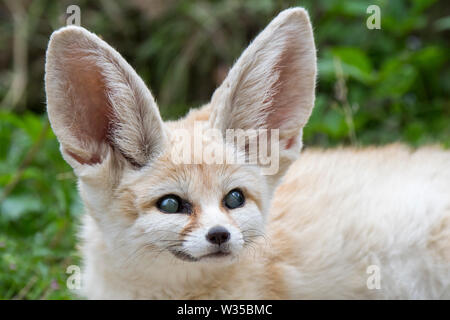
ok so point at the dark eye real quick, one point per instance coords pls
(234, 199)
(169, 204)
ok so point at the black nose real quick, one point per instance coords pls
(218, 235)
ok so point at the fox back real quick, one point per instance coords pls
(179, 210)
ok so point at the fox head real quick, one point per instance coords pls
(111, 133)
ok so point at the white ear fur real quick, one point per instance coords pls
(96, 102)
(273, 82)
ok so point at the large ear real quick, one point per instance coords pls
(97, 103)
(272, 84)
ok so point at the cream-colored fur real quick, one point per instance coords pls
(313, 230)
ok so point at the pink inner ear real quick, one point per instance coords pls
(289, 143)
(92, 110)
(90, 113)
(94, 159)
(285, 108)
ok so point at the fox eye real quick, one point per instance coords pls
(169, 204)
(234, 199)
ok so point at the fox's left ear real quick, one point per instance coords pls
(272, 84)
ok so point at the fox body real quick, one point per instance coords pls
(343, 223)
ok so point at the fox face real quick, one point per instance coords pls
(144, 200)
(195, 212)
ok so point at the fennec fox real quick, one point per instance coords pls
(369, 223)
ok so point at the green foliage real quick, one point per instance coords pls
(374, 87)
(36, 216)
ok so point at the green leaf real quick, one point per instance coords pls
(14, 207)
(355, 63)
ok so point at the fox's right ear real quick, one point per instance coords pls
(97, 103)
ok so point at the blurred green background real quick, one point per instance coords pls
(375, 87)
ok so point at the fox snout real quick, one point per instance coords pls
(212, 240)
(218, 235)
